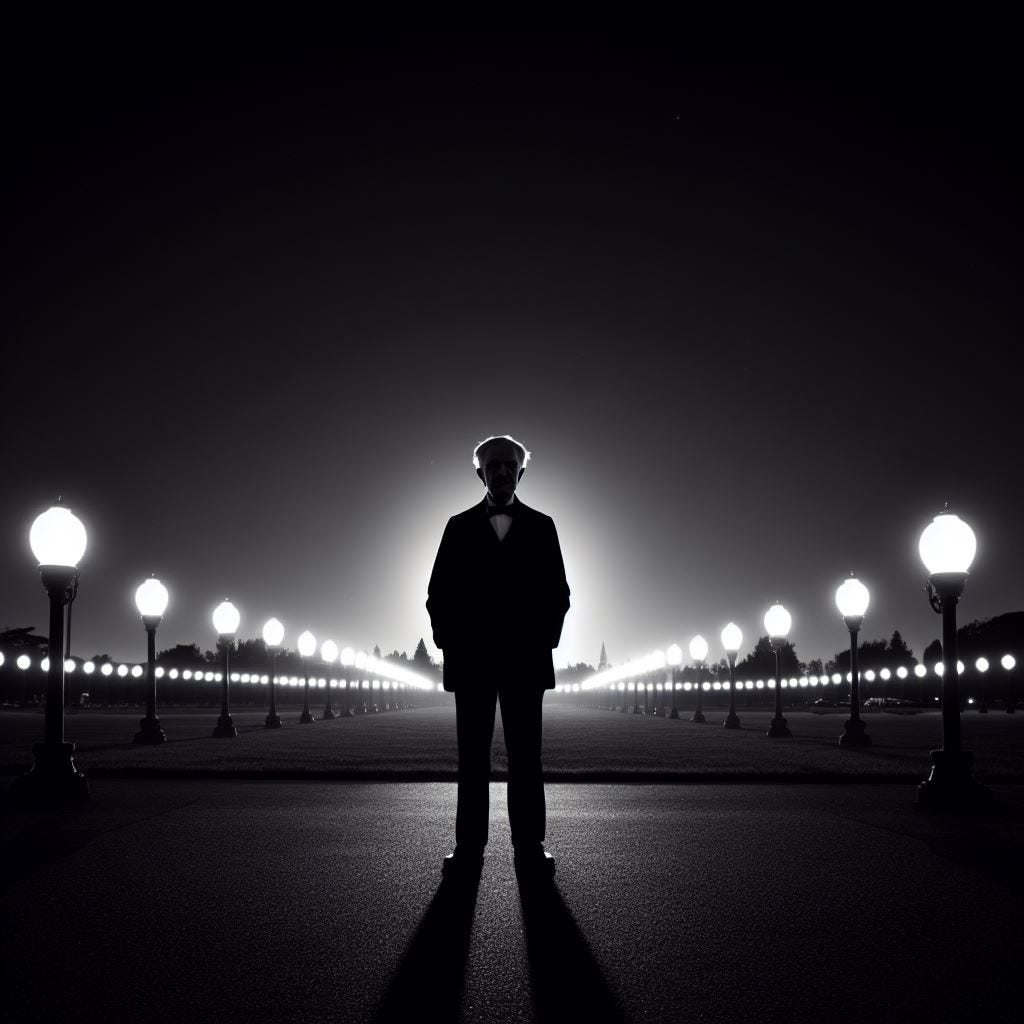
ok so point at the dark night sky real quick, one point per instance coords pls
(752, 303)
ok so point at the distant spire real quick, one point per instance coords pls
(602, 662)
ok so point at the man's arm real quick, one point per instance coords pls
(438, 588)
(559, 594)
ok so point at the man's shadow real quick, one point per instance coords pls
(565, 979)
(429, 980)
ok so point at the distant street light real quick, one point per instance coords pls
(307, 646)
(852, 599)
(777, 622)
(151, 601)
(273, 634)
(58, 540)
(225, 622)
(732, 638)
(982, 666)
(329, 654)
(698, 652)
(947, 548)
(674, 657)
(348, 657)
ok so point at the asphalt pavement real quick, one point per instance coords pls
(228, 901)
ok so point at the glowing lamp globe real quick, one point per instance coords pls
(348, 656)
(902, 672)
(674, 655)
(89, 667)
(273, 632)
(360, 659)
(732, 637)
(23, 661)
(329, 651)
(947, 545)
(226, 619)
(777, 621)
(657, 660)
(920, 671)
(107, 669)
(1008, 661)
(852, 598)
(307, 644)
(698, 648)
(57, 537)
(981, 664)
(151, 598)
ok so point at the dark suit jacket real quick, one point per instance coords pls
(497, 607)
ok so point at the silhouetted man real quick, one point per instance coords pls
(497, 598)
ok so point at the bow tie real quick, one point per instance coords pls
(500, 510)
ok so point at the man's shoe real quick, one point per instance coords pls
(535, 860)
(463, 862)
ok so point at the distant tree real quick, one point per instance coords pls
(932, 653)
(899, 653)
(870, 654)
(574, 673)
(992, 637)
(814, 667)
(420, 658)
(400, 658)
(180, 656)
(22, 637)
(760, 663)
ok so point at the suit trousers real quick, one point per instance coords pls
(521, 721)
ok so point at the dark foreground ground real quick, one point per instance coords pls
(173, 900)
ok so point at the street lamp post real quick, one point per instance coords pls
(852, 599)
(981, 664)
(307, 645)
(225, 621)
(151, 600)
(777, 622)
(273, 634)
(674, 657)
(57, 539)
(732, 637)
(329, 653)
(947, 548)
(348, 657)
(698, 652)
(1009, 662)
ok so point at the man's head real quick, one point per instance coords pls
(500, 462)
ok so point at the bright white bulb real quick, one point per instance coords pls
(360, 659)
(939, 668)
(122, 670)
(329, 651)
(1008, 661)
(885, 674)
(902, 672)
(698, 648)
(777, 621)
(348, 656)
(89, 667)
(920, 671)
(307, 644)
(23, 662)
(959, 667)
(226, 619)
(674, 655)
(136, 671)
(45, 664)
(732, 637)
(836, 678)
(852, 598)
(69, 665)
(273, 632)
(57, 537)
(107, 669)
(981, 664)
(947, 544)
(870, 675)
(151, 597)
(657, 660)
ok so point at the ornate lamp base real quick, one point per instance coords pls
(698, 716)
(732, 721)
(305, 718)
(854, 734)
(778, 728)
(225, 727)
(273, 722)
(329, 714)
(150, 731)
(952, 785)
(674, 713)
(52, 777)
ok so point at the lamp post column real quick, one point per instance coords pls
(53, 774)
(732, 720)
(854, 733)
(674, 713)
(305, 718)
(149, 727)
(225, 726)
(273, 719)
(778, 727)
(698, 711)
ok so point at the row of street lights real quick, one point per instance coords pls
(58, 541)
(947, 547)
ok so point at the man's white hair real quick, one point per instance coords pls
(490, 442)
